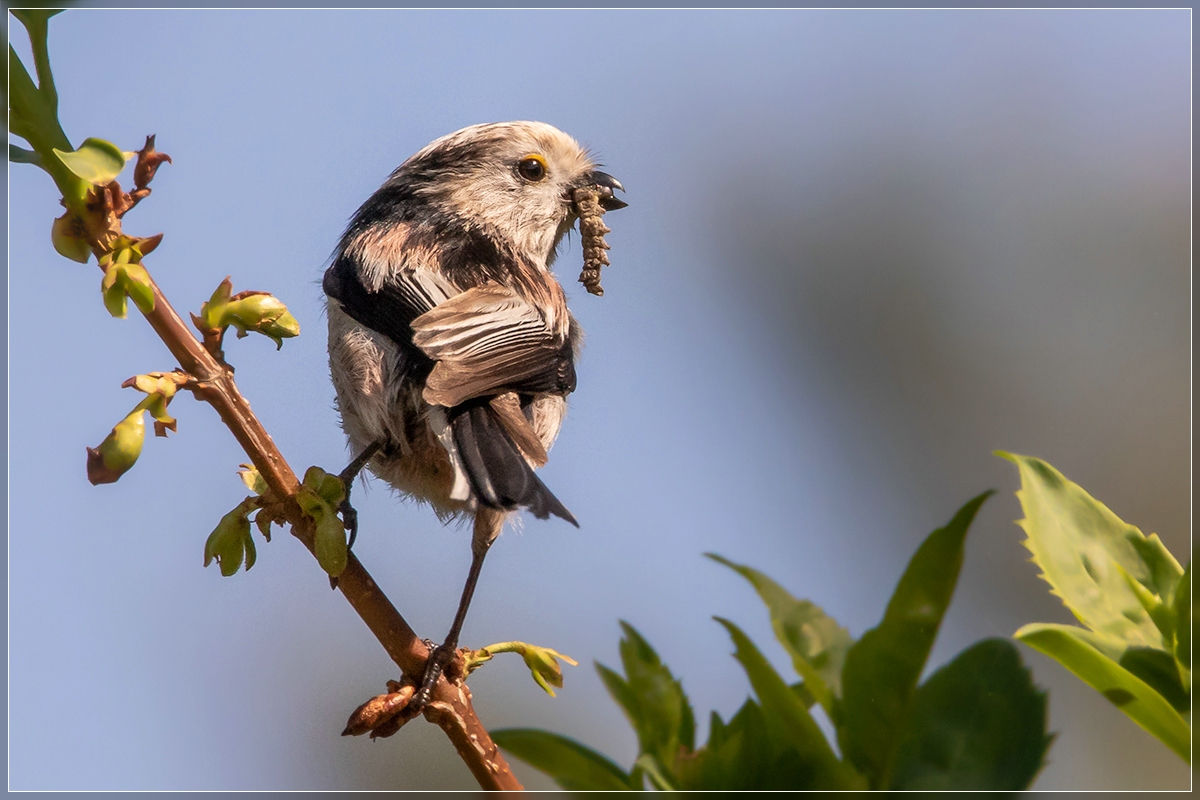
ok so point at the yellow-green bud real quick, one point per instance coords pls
(329, 487)
(542, 661)
(163, 383)
(138, 285)
(212, 312)
(68, 242)
(283, 327)
(329, 534)
(119, 451)
(160, 388)
(125, 279)
(230, 542)
(253, 479)
(263, 313)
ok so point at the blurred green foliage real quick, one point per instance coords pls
(976, 723)
(1126, 588)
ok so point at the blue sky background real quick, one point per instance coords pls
(863, 250)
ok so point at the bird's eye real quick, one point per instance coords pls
(532, 168)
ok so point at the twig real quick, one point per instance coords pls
(450, 707)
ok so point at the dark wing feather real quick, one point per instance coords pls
(391, 309)
(499, 474)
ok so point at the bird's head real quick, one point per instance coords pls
(513, 180)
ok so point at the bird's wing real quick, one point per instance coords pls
(479, 345)
(488, 340)
(391, 306)
(485, 341)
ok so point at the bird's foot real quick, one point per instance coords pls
(349, 515)
(347, 476)
(442, 657)
(349, 522)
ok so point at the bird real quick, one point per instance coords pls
(451, 346)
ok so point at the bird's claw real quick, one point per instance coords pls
(349, 522)
(383, 715)
(441, 657)
(349, 519)
(348, 512)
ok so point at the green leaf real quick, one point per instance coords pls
(572, 765)
(331, 549)
(816, 643)
(744, 756)
(66, 238)
(253, 479)
(33, 116)
(212, 312)
(1159, 671)
(256, 311)
(659, 779)
(788, 720)
(978, 723)
(96, 161)
(1077, 542)
(25, 103)
(114, 300)
(1183, 620)
(806, 697)
(1164, 571)
(1159, 612)
(19, 155)
(248, 544)
(329, 487)
(330, 544)
(652, 699)
(138, 285)
(36, 22)
(879, 682)
(719, 764)
(123, 279)
(227, 542)
(1071, 647)
(28, 15)
(620, 691)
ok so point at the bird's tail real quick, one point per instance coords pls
(499, 474)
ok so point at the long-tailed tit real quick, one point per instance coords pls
(451, 347)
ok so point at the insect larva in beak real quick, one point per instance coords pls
(591, 230)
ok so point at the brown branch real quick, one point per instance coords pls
(450, 707)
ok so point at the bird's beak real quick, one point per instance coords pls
(606, 184)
